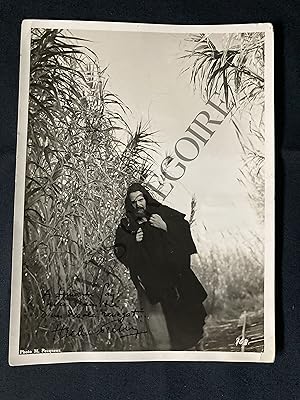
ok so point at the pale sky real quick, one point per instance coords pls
(144, 71)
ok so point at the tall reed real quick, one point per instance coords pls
(78, 168)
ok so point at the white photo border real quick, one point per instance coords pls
(268, 355)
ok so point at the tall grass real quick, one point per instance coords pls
(234, 69)
(233, 276)
(232, 66)
(230, 265)
(78, 168)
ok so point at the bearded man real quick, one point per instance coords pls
(154, 242)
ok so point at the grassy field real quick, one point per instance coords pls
(233, 277)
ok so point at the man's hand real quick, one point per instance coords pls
(139, 235)
(157, 221)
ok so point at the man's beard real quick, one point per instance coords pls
(140, 213)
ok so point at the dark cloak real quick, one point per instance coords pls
(159, 266)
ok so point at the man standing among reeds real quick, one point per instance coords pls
(155, 243)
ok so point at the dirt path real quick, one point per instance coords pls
(222, 335)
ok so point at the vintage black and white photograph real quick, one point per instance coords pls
(144, 206)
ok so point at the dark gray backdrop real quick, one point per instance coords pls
(167, 380)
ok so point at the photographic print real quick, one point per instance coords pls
(144, 202)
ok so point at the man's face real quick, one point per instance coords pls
(138, 202)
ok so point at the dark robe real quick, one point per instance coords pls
(160, 267)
